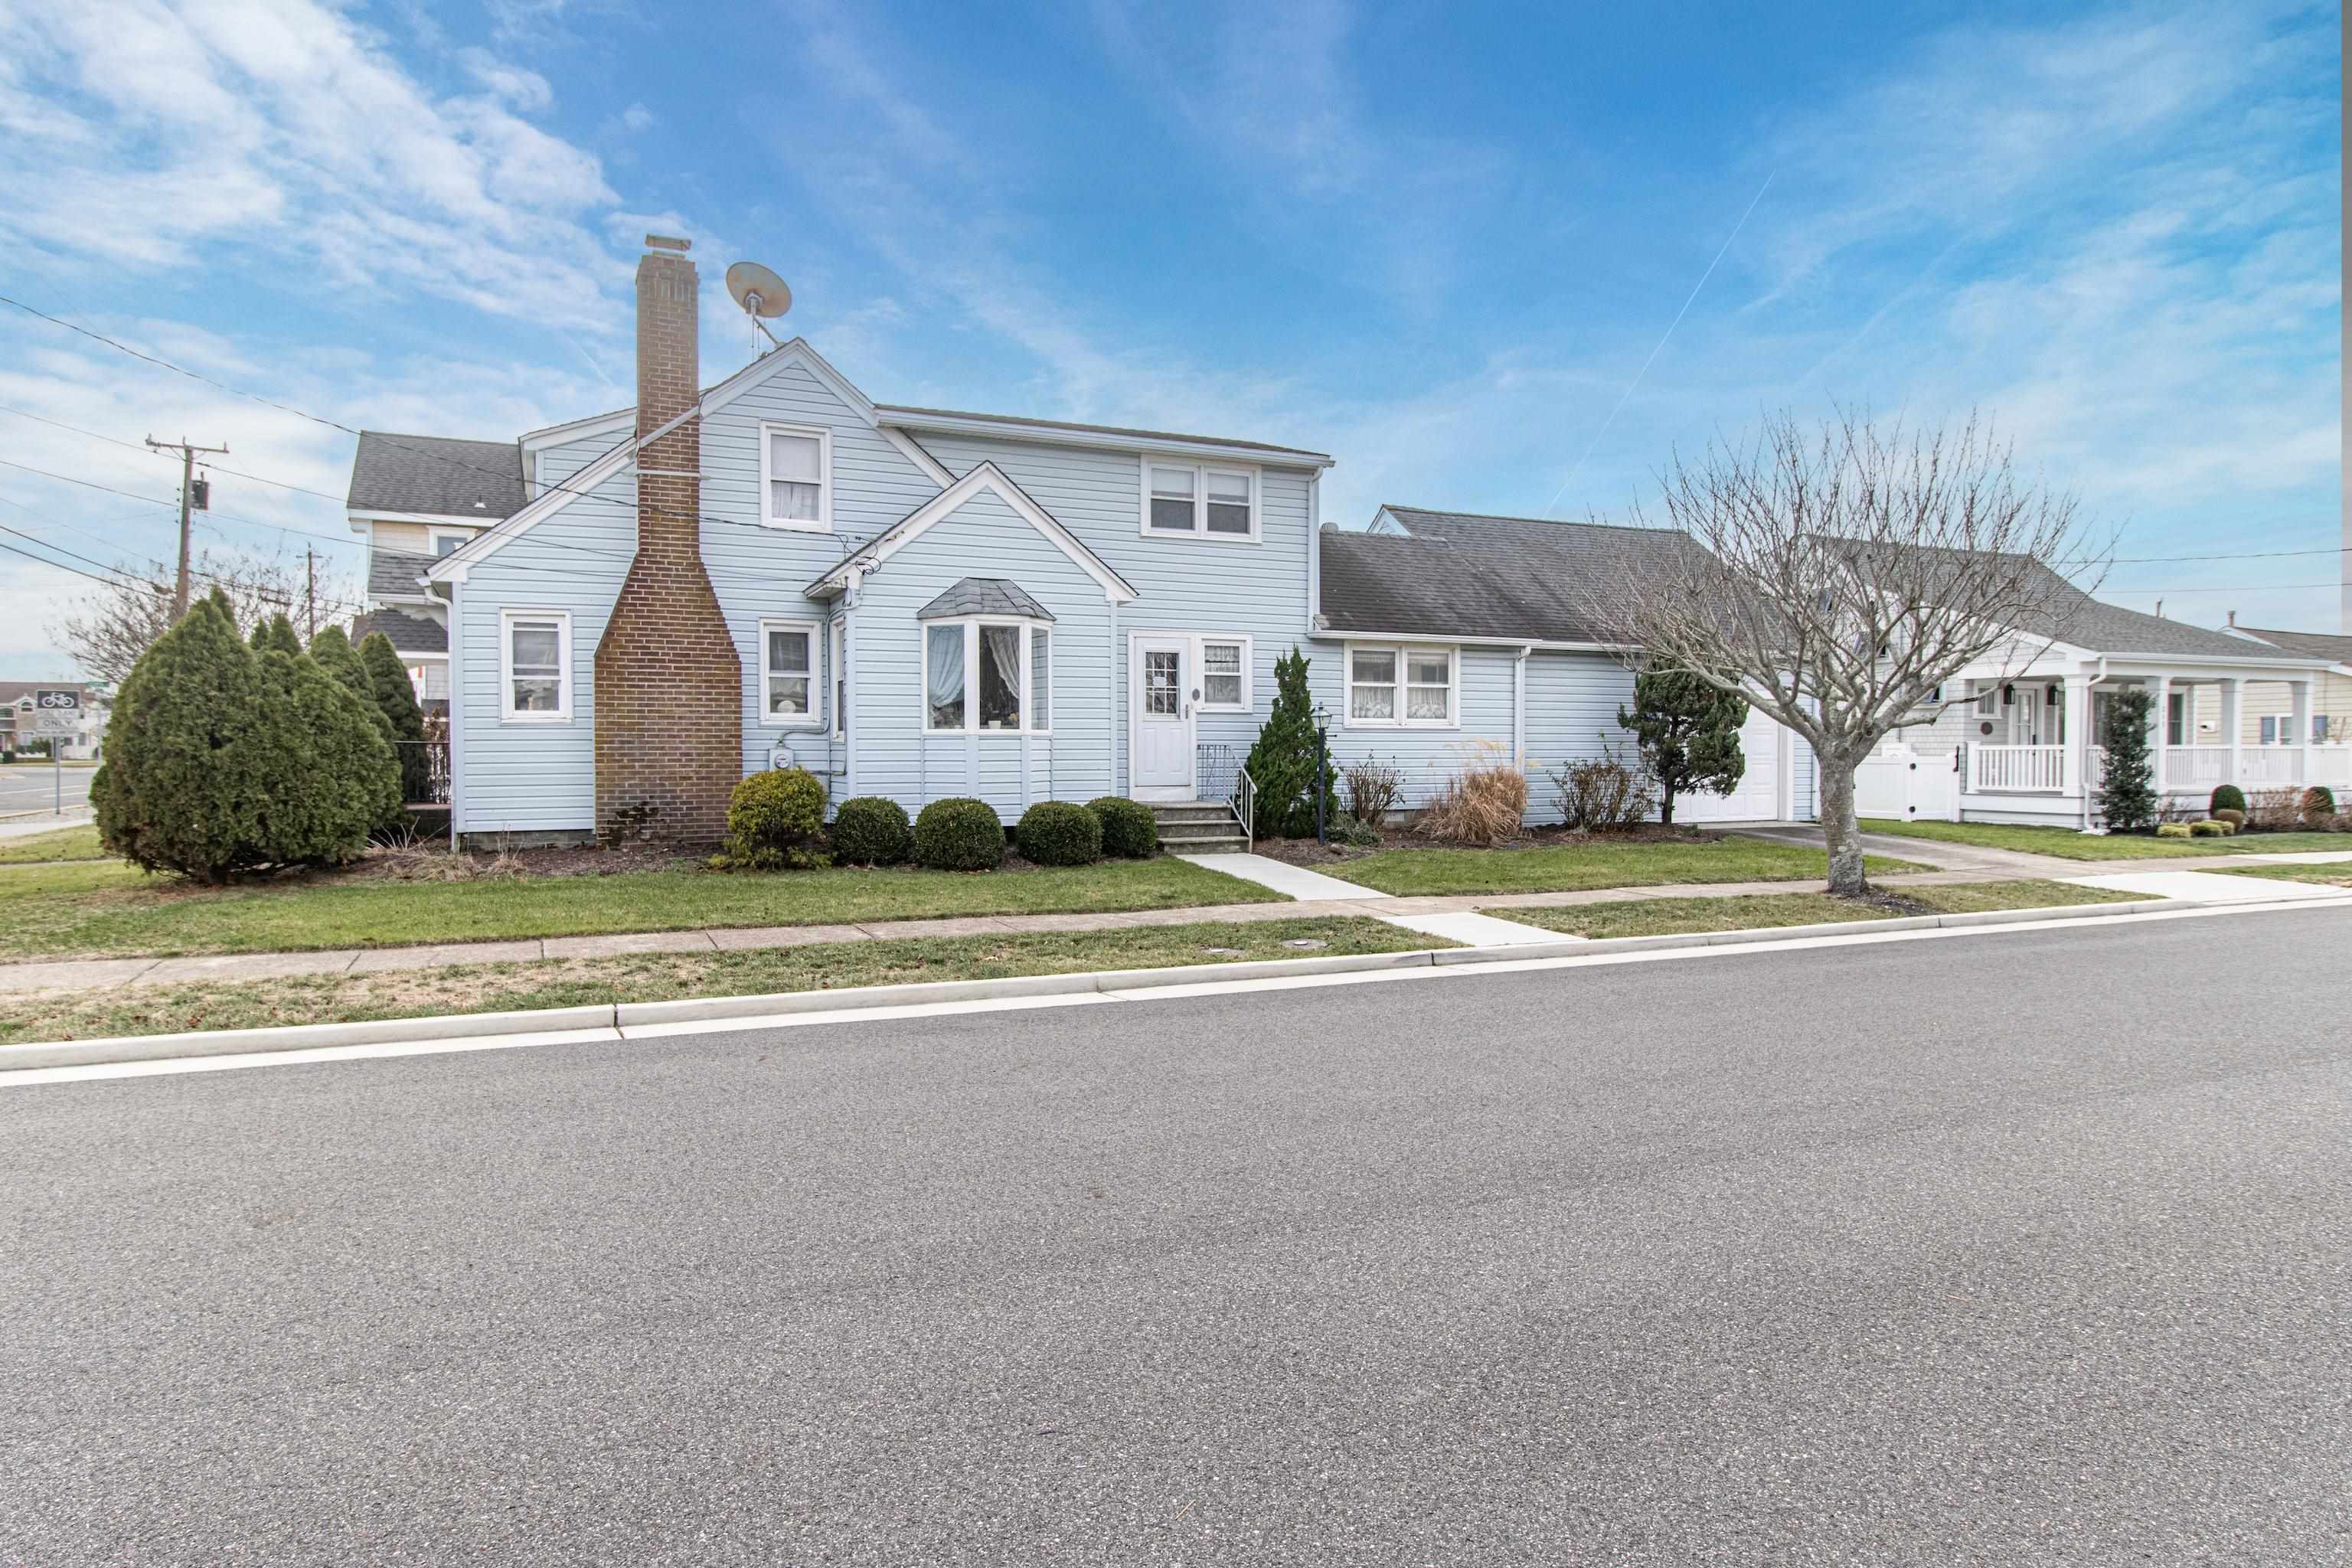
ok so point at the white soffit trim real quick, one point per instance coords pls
(482, 546)
(463, 520)
(986, 476)
(620, 422)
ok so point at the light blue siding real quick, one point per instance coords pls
(1572, 702)
(896, 756)
(1427, 758)
(1193, 585)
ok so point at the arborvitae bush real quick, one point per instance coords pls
(395, 698)
(1129, 828)
(332, 652)
(1060, 833)
(277, 632)
(2127, 800)
(1282, 764)
(958, 834)
(333, 779)
(871, 830)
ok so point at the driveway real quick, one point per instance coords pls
(1800, 1258)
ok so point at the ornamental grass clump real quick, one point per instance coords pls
(1482, 806)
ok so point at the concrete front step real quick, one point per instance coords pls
(1194, 811)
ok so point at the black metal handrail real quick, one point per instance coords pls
(423, 773)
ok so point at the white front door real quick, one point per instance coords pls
(1160, 726)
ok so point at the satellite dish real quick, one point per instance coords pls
(761, 292)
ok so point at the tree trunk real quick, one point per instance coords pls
(1666, 805)
(1839, 828)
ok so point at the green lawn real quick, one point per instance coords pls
(65, 844)
(1596, 863)
(106, 908)
(502, 987)
(2338, 875)
(2065, 844)
(1757, 911)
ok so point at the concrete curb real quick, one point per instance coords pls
(705, 1009)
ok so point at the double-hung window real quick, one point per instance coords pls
(1402, 687)
(788, 674)
(535, 660)
(796, 477)
(988, 675)
(1199, 500)
(1224, 675)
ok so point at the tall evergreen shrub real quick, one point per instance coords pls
(2127, 794)
(277, 632)
(1688, 732)
(332, 776)
(1282, 763)
(395, 696)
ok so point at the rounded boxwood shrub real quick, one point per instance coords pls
(871, 831)
(1057, 833)
(958, 834)
(2226, 797)
(1129, 828)
(773, 819)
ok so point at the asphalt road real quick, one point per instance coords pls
(33, 786)
(2018, 1249)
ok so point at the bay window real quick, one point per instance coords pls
(1402, 687)
(983, 676)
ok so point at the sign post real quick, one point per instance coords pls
(57, 713)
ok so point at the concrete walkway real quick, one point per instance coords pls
(2206, 887)
(1291, 881)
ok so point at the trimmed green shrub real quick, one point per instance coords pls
(1688, 732)
(332, 652)
(958, 834)
(2172, 830)
(1282, 760)
(2234, 818)
(871, 831)
(395, 698)
(2319, 803)
(2227, 798)
(1128, 829)
(2211, 827)
(1060, 833)
(773, 819)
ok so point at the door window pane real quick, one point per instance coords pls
(1162, 676)
(1000, 678)
(943, 677)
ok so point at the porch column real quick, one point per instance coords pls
(2075, 761)
(2300, 691)
(2162, 722)
(2233, 730)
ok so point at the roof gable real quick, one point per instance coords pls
(987, 477)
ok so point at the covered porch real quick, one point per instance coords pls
(2033, 747)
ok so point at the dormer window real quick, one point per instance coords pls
(796, 477)
(1201, 499)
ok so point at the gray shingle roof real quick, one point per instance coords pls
(409, 633)
(2313, 644)
(393, 574)
(1467, 574)
(983, 596)
(473, 479)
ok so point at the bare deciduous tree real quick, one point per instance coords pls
(107, 629)
(1842, 575)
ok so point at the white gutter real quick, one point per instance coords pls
(1519, 705)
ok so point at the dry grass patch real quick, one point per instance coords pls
(1761, 911)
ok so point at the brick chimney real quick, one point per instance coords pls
(669, 684)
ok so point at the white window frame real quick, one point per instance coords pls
(508, 712)
(837, 676)
(1200, 472)
(814, 717)
(823, 438)
(1404, 652)
(2284, 731)
(434, 534)
(1249, 670)
(1029, 626)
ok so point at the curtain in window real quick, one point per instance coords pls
(795, 478)
(943, 677)
(1041, 677)
(1000, 678)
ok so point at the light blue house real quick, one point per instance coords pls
(924, 604)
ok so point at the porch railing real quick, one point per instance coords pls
(2332, 766)
(2267, 767)
(1246, 806)
(424, 773)
(1221, 777)
(2030, 769)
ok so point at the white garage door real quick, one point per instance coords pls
(1758, 798)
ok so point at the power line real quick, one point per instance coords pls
(77, 572)
(135, 447)
(156, 500)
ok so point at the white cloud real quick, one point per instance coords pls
(143, 131)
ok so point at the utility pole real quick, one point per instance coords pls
(310, 595)
(187, 496)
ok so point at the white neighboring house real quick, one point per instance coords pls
(2029, 745)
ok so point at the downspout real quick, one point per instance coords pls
(1314, 552)
(1519, 706)
(849, 683)
(456, 711)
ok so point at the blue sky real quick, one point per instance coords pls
(1439, 242)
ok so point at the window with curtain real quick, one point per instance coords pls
(1221, 675)
(1403, 687)
(1371, 684)
(795, 478)
(787, 671)
(943, 676)
(1041, 679)
(1428, 685)
(1000, 678)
